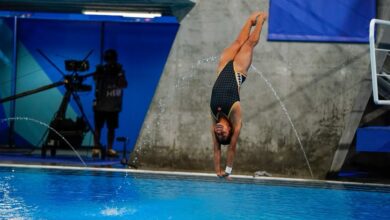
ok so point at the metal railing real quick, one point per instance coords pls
(373, 59)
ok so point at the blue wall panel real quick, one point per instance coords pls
(320, 20)
(373, 139)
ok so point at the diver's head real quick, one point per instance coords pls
(223, 131)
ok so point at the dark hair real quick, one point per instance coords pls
(110, 55)
(229, 138)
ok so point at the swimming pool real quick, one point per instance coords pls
(50, 193)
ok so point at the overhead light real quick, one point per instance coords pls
(123, 14)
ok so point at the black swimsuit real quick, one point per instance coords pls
(226, 90)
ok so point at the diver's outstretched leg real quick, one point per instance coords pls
(243, 59)
(230, 52)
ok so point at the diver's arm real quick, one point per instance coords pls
(232, 146)
(217, 152)
(237, 124)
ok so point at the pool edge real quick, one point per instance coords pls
(198, 174)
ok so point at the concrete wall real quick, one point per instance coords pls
(317, 83)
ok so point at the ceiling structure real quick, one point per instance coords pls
(177, 8)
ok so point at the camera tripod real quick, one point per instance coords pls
(72, 131)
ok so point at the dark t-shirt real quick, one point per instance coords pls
(108, 93)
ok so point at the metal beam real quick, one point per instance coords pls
(177, 8)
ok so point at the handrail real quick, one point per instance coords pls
(373, 50)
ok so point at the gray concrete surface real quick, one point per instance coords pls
(317, 82)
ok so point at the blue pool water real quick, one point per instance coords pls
(27, 193)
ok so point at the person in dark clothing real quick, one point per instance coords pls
(110, 81)
(225, 97)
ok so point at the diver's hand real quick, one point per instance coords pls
(224, 175)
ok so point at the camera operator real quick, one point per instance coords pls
(110, 81)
